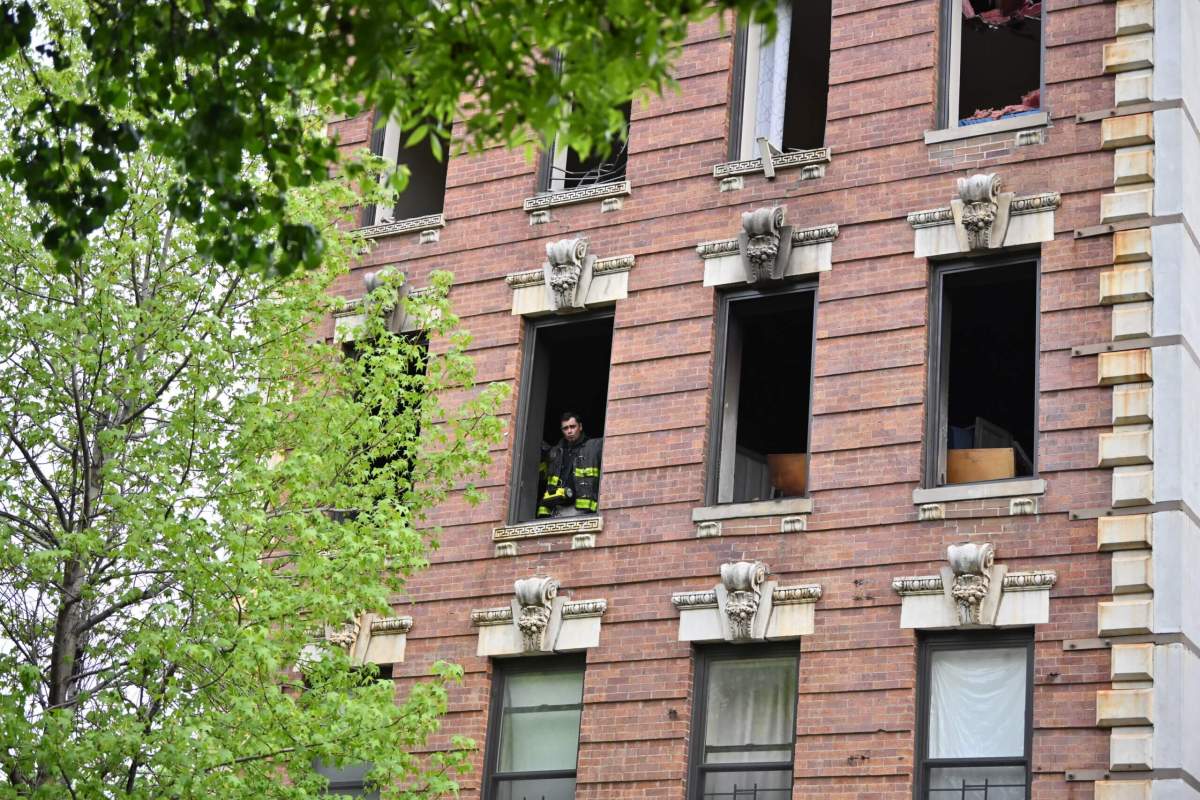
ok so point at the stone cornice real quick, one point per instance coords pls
(390, 625)
(537, 277)
(550, 527)
(795, 158)
(801, 237)
(1013, 582)
(808, 593)
(700, 599)
(584, 608)
(492, 616)
(571, 196)
(1029, 204)
(411, 225)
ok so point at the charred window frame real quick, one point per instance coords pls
(564, 366)
(968, 46)
(951, 286)
(807, 82)
(426, 191)
(741, 356)
(713, 769)
(925, 781)
(556, 782)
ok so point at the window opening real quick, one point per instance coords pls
(763, 414)
(533, 735)
(987, 405)
(426, 191)
(995, 60)
(784, 83)
(746, 706)
(565, 370)
(566, 169)
(974, 740)
(347, 781)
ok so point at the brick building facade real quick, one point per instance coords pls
(1078, 273)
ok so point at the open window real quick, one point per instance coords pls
(984, 364)
(533, 729)
(563, 168)
(781, 87)
(991, 60)
(763, 384)
(744, 723)
(975, 698)
(565, 369)
(426, 192)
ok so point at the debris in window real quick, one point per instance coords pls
(1000, 66)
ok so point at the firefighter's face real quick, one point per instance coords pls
(572, 430)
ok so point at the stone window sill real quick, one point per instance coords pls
(812, 162)
(583, 194)
(1024, 122)
(1021, 487)
(787, 506)
(427, 226)
(554, 526)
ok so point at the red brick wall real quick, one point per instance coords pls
(857, 671)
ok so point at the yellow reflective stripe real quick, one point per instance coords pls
(559, 492)
(585, 505)
(543, 511)
(587, 472)
(552, 480)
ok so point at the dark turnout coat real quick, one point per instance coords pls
(572, 476)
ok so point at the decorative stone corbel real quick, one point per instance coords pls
(981, 211)
(371, 639)
(538, 620)
(982, 217)
(571, 279)
(396, 317)
(746, 607)
(765, 244)
(568, 273)
(972, 591)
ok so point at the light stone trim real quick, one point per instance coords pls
(959, 132)
(391, 625)
(1124, 707)
(1125, 532)
(982, 218)
(1032, 581)
(1019, 487)
(763, 508)
(808, 593)
(492, 616)
(796, 158)
(550, 527)
(371, 639)
(602, 282)
(584, 608)
(583, 194)
(410, 225)
(538, 620)
(807, 251)
(701, 599)
(746, 607)
(1127, 131)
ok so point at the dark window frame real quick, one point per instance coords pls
(929, 643)
(703, 657)
(520, 460)
(947, 44)
(501, 669)
(938, 376)
(725, 302)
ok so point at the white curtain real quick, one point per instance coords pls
(977, 703)
(772, 77)
(750, 702)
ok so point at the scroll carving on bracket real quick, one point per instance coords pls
(743, 581)
(568, 273)
(369, 638)
(982, 217)
(973, 591)
(538, 619)
(535, 597)
(746, 607)
(396, 317)
(765, 243)
(981, 211)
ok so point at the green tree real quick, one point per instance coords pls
(191, 485)
(217, 85)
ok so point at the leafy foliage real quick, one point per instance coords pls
(190, 486)
(217, 85)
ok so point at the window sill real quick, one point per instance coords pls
(555, 526)
(427, 225)
(1020, 487)
(764, 508)
(583, 194)
(1040, 120)
(813, 161)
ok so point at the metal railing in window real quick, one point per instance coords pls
(575, 173)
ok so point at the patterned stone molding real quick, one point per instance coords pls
(577, 281)
(412, 225)
(538, 620)
(371, 639)
(807, 251)
(746, 607)
(983, 218)
(972, 591)
(811, 161)
(550, 527)
(568, 197)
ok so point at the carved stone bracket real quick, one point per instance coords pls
(571, 279)
(982, 217)
(765, 244)
(538, 620)
(371, 639)
(767, 250)
(745, 607)
(972, 591)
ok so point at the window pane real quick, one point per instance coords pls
(977, 703)
(977, 783)
(757, 785)
(536, 732)
(749, 712)
(552, 789)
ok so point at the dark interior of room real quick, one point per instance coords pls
(808, 75)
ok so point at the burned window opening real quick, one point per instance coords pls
(987, 374)
(566, 169)
(996, 60)
(426, 190)
(566, 370)
(784, 83)
(763, 418)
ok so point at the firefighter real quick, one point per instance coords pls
(572, 472)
